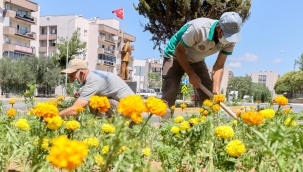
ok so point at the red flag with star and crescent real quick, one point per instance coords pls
(119, 13)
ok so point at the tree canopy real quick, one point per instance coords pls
(166, 17)
(290, 82)
(75, 47)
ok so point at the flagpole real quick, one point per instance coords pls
(122, 28)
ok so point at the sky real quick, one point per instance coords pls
(273, 26)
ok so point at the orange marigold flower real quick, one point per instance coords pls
(99, 102)
(205, 112)
(208, 103)
(252, 117)
(67, 154)
(219, 98)
(132, 106)
(46, 110)
(183, 106)
(156, 106)
(287, 110)
(238, 114)
(79, 109)
(12, 101)
(216, 108)
(137, 118)
(11, 112)
(60, 98)
(281, 100)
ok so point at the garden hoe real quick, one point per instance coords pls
(205, 90)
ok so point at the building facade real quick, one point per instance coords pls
(19, 26)
(267, 79)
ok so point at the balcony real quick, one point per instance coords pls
(13, 47)
(23, 3)
(50, 49)
(106, 63)
(23, 18)
(43, 37)
(106, 39)
(106, 51)
(7, 30)
(107, 29)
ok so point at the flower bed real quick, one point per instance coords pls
(259, 139)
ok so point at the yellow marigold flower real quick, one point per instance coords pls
(216, 108)
(252, 107)
(100, 103)
(207, 103)
(59, 103)
(251, 117)
(132, 106)
(46, 110)
(205, 112)
(219, 98)
(201, 110)
(268, 113)
(108, 128)
(91, 142)
(36, 142)
(99, 160)
(22, 124)
(45, 144)
(54, 123)
(173, 107)
(202, 118)
(156, 106)
(287, 110)
(281, 100)
(235, 122)
(67, 154)
(12, 101)
(235, 148)
(31, 111)
(178, 119)
(72, 125)
(146, 152)
(60, 98)
(175, 129)
(122, 149)
(224, 132)
(238, 114)
(193, 121)
(137, 118)
(287, 121)
(26, 92)
(294, 123)
(184, 125)
(11, 112)
(183, 106)
(53, 102)
(105, 149)
(79, 109)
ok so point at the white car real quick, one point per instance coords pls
(146, 92)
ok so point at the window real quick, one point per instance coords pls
(85, 32)
(42, 31)
(54, 31)
(53, 43)
(78, 30)
(21, 13)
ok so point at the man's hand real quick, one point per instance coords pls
(195, 80)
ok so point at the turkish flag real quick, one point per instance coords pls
(119, 13)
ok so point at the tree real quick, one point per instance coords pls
(154, 80)
(290, 82)
(166, 17)
(240, 84)
(260, 92)
(75, 47)
(300, 62)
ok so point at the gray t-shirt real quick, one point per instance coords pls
(104, 83)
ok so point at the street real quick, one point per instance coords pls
(19, 105)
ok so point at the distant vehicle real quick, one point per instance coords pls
(146, 92)
(159, 95)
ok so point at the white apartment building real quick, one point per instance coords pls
(19, 26)
(266, 78)
(103, 39)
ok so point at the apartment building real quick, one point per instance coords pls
(267, 79)
(19, 26)
(103, 39)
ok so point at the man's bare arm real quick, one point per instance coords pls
(217, 72)
(70, 111)
(194, 79)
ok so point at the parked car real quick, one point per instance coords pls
(159, 95)
(146, 92)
